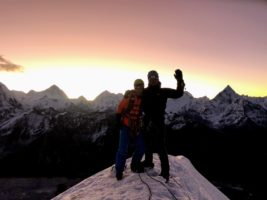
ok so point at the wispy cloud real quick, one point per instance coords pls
(6, 65)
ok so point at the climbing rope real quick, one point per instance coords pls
(180, 185)
(163, 185)
(148, 187)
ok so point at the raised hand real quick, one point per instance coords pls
(178, 75)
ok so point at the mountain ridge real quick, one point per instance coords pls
(227, 89)
(225, 109)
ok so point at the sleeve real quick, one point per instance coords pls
(172, 93)
(122, 105)
(119, 111)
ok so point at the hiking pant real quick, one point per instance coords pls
(154, 137)
(122, 153)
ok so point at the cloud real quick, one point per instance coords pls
(8, 66)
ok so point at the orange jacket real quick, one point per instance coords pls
(130, 109)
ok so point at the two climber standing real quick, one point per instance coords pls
(151, 103)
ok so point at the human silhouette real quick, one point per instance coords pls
(154, 104)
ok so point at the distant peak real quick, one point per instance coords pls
(228, 89)
(32, 91)
(54, 87)
(3, 86)
(3, 90)
(82, 98)
(226, 94)
(54, 90)
(104, 94)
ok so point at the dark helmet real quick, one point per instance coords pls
(152, 74)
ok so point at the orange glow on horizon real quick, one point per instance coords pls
(88, 78)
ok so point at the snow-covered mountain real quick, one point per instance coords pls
(52, 97)
(106, 100)
(185, 183)
(25, 118)
(55, 98)
(50, 131)
(9, 105)
(7, 98)
(37, 113)
(227, 109)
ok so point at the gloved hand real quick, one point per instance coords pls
(178, 75)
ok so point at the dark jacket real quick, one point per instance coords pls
(155, 100)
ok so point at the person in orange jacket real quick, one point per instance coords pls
(128, 116)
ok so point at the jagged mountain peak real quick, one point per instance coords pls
(229, 89)
(53, 92)
(227, 94)
(50, 97)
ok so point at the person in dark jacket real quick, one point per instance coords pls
(154, 104)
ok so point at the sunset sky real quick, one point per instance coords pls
(88, 46)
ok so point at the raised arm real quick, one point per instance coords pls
(172, 93)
